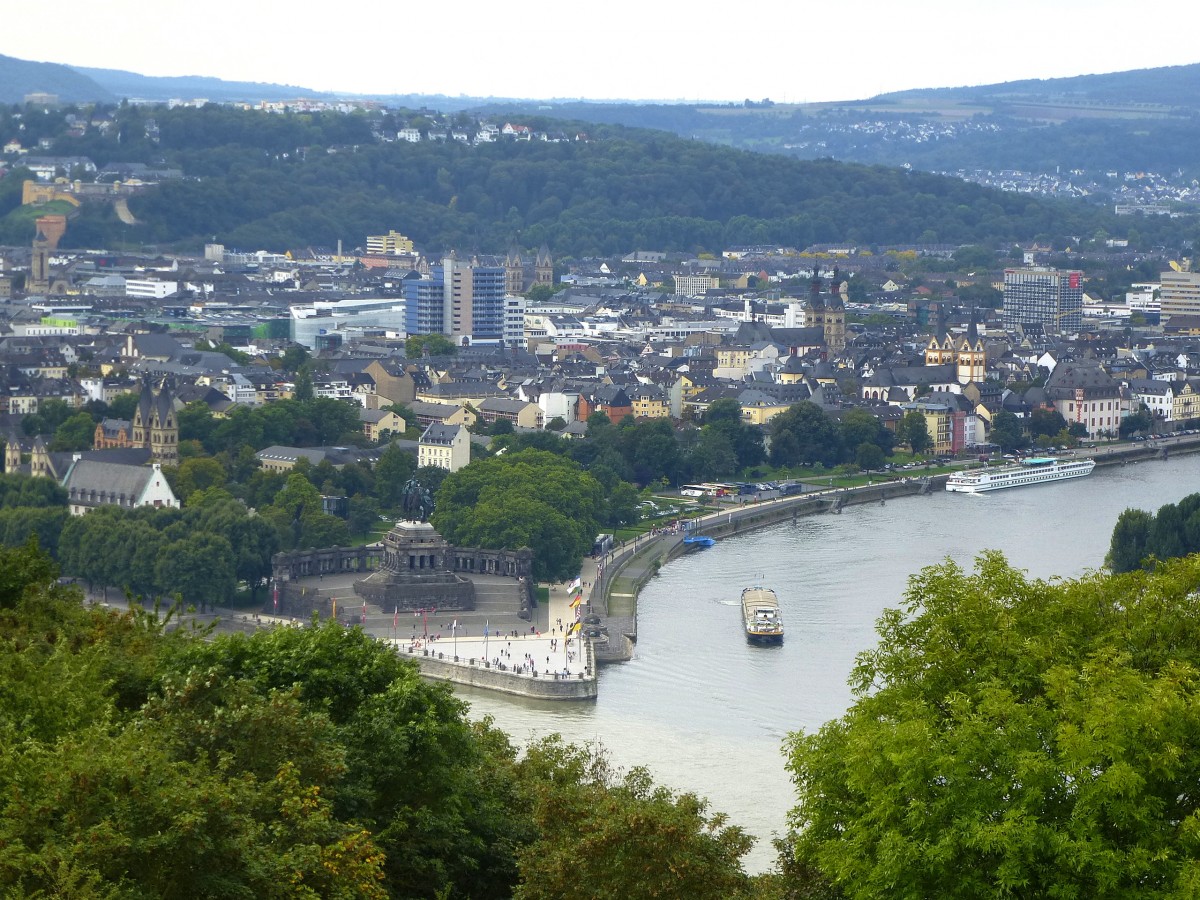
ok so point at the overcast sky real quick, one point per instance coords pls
(620, 49)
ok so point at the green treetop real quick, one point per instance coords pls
(1014, 737)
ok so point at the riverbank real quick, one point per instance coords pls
(627, 569)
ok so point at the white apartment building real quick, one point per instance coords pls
(514, 320)
(695, 285)
(444, 446)
(150, 288)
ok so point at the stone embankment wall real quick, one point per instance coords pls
(638, 562)
(478, 673)
(643, 557)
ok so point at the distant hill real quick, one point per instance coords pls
(1147, 120)
(19, 77)
(146, 87)
(1174, 87)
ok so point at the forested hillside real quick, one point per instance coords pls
(256, 180)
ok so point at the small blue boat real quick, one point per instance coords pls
(699, 541)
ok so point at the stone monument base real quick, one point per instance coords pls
(416, 573)
(436, 590)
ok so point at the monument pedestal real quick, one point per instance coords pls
(415, 573)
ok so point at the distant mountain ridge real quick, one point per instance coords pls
(148, 87)
(1172, 86)
(20, 77)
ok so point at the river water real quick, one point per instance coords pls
(706, 712)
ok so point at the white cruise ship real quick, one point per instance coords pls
(1035, 470)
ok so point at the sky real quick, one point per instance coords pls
(786, 50)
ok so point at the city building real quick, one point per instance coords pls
(444, 446)
(1043, 296)
(314, 323)
(1084, 394)
(91, 483)
(1180, 294)
(154, 424)
(695, 285)
(520, 276)
(465, 301)
(829, 316)
(391, 244)
(967, 354)
(514, 321)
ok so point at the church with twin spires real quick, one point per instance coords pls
(965, 353)
(828, 315)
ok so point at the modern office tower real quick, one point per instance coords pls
(1046, 297)
(463, 301)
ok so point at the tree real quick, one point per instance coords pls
(75, 433)
(713, 457)
(197, 474)
(804, 435)
(295, 357)
(869, 456)
(1045, 423)
(526, 499)
(299, 519)
(603, 833)
(1012, 736)
(123, 406)
(437, 794)
(1130, 539)
(858, 426)
(724, 417)
(199, 568)
(651, 450)
(417, 345)
(1140, 422)
(539, 293)
(302, 391)
(1007, 432)
(392, 472)
(914, 431)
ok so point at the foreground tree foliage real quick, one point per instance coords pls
(1139, 538)
(607, 834)
(1014, 737)
(143, 760)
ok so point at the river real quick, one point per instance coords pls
(706, 712)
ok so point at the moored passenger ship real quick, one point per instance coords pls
(1035, 470)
